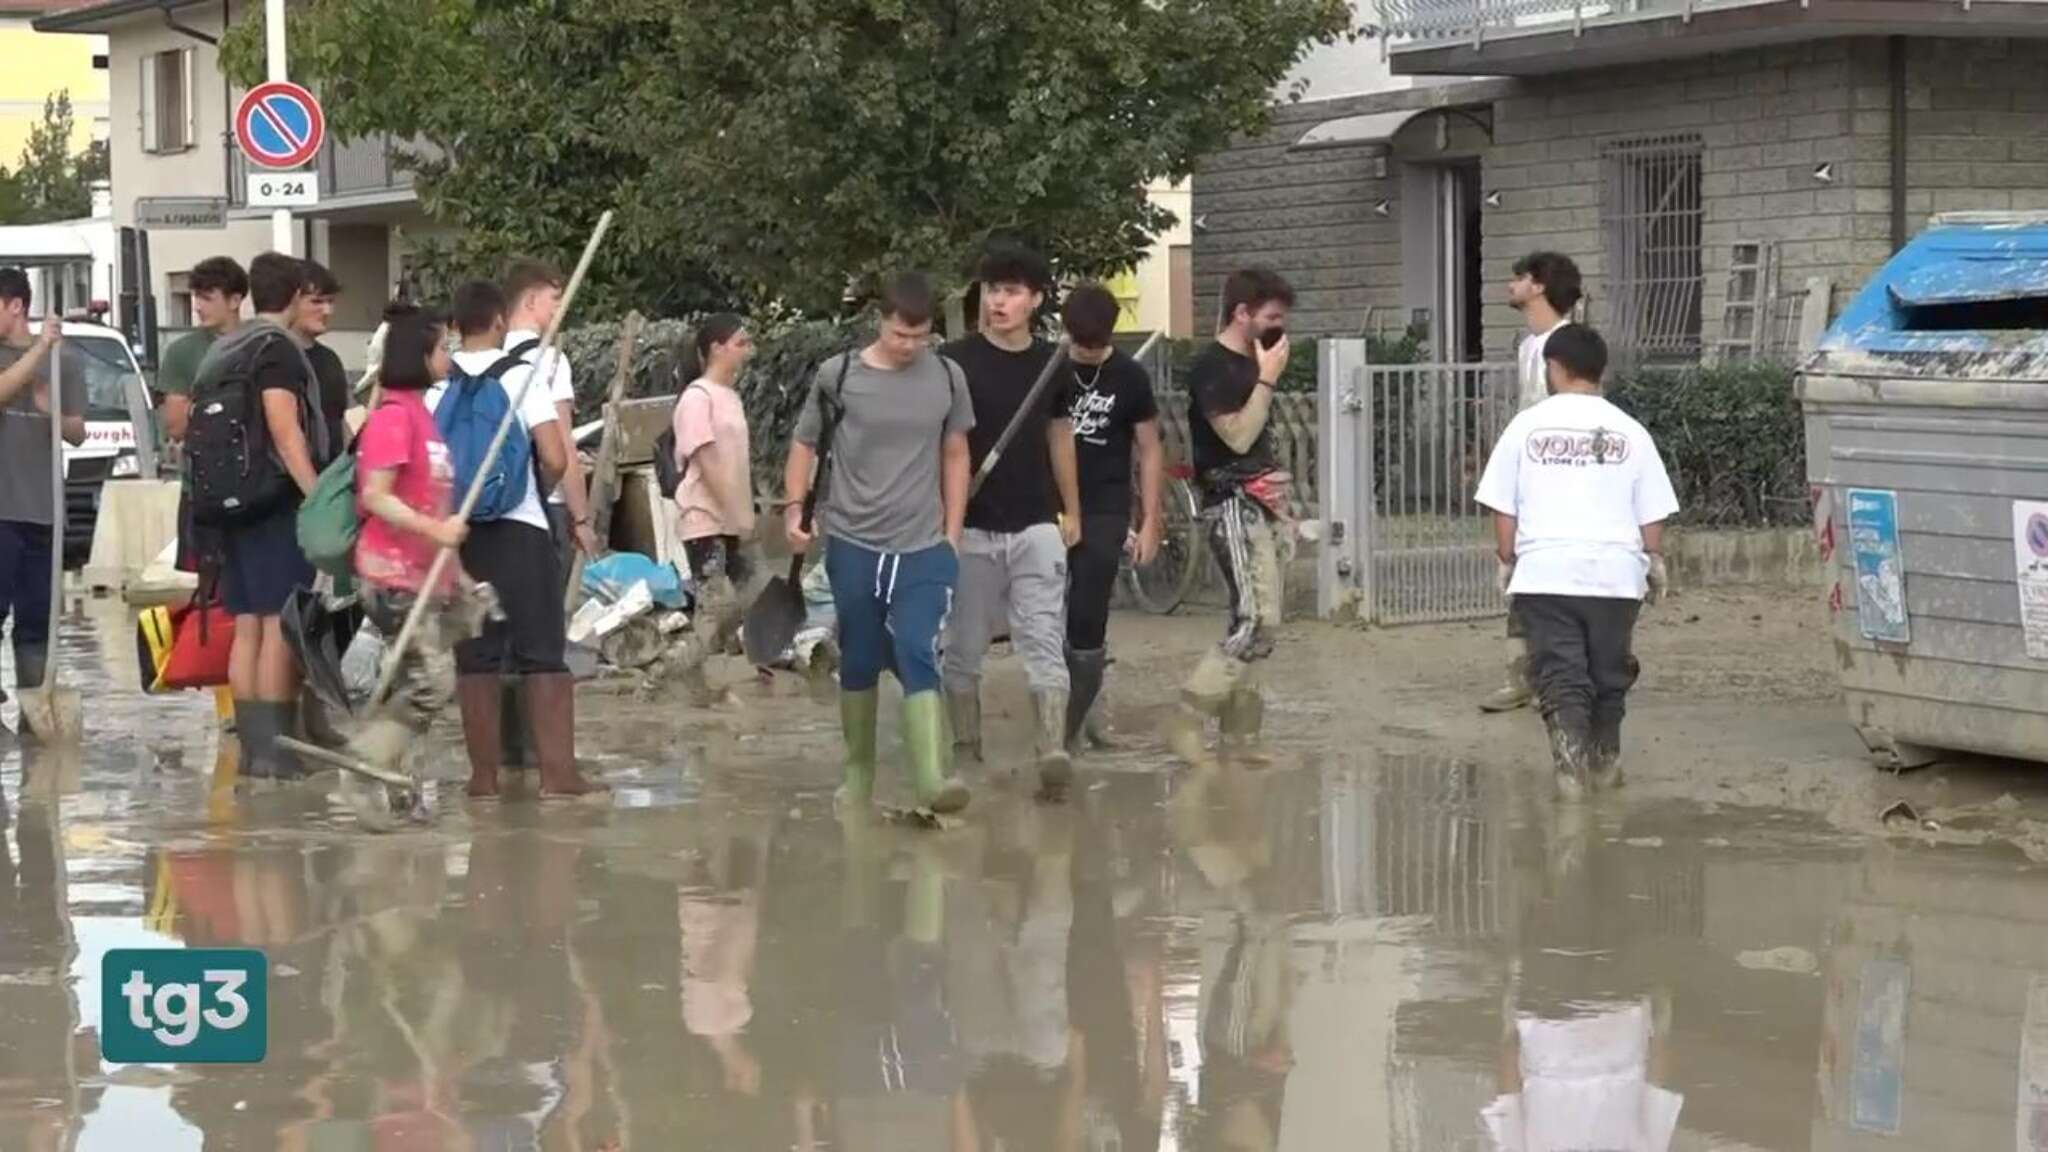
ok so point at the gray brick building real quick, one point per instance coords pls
(1665, 146)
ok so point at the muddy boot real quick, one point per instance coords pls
(1243, 722)
(1084, 672)
(1513, 694)
(1569, 754)
(964, 710)
(256, 731)
(857, 718)
(1049, 713)
(1605, 755)
(481, 699)
(1185, 729)
(1095, 725)
(512, 749)
(550, 701)
(286, 764)
(925, 748)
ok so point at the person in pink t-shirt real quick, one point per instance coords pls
(403, 483)
(716, 496)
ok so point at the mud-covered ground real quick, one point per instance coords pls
(1326, 953)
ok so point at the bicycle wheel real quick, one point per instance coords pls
(1163, 585)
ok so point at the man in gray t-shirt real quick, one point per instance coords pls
(891, 518)
(27, 496)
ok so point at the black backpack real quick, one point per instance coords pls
(668, 471)
(236, 478)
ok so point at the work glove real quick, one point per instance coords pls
(1660, 580)
(1503, 575)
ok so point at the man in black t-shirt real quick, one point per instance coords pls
(1244, 505)
(310, 321)
(1113, 414)
(1013, 554)
(259, 560)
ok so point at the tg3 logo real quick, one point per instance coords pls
(184, 1006)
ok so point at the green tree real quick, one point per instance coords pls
(789, 150)
(51, 182)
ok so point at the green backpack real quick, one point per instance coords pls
(328, 522)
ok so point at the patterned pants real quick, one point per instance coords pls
(426, 677)
(1246, 544)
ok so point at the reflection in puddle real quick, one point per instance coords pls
(1370, 954)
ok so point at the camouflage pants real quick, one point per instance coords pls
(1248, 547)
(425, 683)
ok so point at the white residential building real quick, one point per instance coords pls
(172, 138)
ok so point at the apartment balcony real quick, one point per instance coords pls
(359, 180)
(1531, 37)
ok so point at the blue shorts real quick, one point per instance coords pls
(261, 564)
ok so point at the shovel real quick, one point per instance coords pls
(778, 612)
(51, 713)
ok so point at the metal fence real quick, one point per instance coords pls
(1403, 446)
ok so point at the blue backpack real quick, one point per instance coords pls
(468, 417)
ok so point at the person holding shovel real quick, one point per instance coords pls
(404, 480)
(1022, 520)
(895, 419)
(716, 493)
(28, 506)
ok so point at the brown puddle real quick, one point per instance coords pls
(1303, 958)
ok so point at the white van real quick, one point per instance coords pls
(121, 438)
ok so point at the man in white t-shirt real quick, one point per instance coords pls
(533, 294)
(524, 653)
(1544, 290)
(1579, 497)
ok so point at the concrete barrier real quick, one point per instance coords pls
(1744, 556)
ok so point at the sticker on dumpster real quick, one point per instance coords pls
(1877, 1075)
(2033, 1103)
(2030, 559)
(1880, 569)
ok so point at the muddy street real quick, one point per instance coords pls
(1326, 953)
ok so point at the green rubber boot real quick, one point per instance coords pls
(857, 713)
(927, 746)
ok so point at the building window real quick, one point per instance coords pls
(1652, 214)
(167, 109)
(178, 306)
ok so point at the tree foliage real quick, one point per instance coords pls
(51, 182)
(789, 150)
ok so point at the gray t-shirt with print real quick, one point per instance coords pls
(25, 496)
(884, 489)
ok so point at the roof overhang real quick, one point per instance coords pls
(99, 18)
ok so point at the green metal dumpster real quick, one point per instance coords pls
(1926, 410)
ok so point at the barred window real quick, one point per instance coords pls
(1651, 212)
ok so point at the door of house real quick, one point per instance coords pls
(1460, 285)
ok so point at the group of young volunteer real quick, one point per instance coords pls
(988, 486)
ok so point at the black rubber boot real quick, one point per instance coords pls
(31, 664)
(1084, 672)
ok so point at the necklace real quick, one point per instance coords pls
(1090, 382)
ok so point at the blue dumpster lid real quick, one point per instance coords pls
(1974, 283)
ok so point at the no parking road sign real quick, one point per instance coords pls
(279, 125)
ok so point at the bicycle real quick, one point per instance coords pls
(1163, 585)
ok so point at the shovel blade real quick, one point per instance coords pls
(772, 622)
(53, 715)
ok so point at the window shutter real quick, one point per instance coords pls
(150, 141)
(187, 108)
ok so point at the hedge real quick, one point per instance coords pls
(1732, 439)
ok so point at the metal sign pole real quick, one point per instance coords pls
(273, 39)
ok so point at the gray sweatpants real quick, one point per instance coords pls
(1023, 575)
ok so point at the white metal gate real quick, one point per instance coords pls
(1402, 449)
